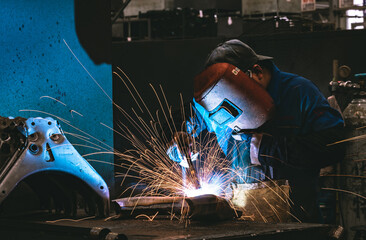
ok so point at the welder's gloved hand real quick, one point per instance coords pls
(176, 156)
(179, 147)
(253, 143)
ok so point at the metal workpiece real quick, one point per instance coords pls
(210, 208)
(97, 233)
(204, 208)
(131, 207)
(40, 150)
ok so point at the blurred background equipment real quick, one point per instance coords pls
(162, 19)
(348, 207)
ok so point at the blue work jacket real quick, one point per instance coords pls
(301, 109)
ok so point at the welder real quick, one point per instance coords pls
(277, 125)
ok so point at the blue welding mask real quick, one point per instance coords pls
(232, 98)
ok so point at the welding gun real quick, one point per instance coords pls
(180, 151)
(192, 173)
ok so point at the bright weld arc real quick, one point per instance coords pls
(212, 187)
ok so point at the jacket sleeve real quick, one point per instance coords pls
(311, 151)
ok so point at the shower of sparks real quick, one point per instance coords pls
(149, 164)
(148, 161)
(157, 175)
(71, 220)
(155, 171)
(345, 191)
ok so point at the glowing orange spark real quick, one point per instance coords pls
(53, 99)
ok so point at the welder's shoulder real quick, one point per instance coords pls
(296, 84)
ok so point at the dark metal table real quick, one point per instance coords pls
(11, 229)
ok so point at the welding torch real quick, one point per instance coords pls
(184, 142)
(192, 171)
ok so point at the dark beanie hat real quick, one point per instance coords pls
(236, 53)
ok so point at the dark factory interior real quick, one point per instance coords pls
(183, 119)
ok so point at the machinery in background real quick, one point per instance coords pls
(347, 88)
(167, 24)
(36, 157)
(197, 23)
(350, 92)
(171, 19)
(355, 112)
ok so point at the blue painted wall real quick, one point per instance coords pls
(35, 62)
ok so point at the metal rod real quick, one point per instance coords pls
(193, 172)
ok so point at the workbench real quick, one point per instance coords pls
(13, 229)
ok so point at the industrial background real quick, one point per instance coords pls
(58, 59)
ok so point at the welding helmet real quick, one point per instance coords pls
(232, 98)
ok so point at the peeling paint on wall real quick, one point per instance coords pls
(38, 72)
